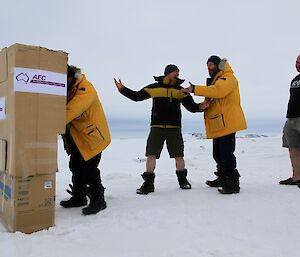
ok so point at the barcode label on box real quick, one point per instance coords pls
(2, 108)
(48, 184)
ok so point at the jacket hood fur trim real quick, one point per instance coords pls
(222, 64)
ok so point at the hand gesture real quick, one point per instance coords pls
(206, 103)
(189, 89)
(118, 84)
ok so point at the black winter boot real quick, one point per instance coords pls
(74, 201)
(183, 182)
(78, 198)
(148, 185)
(218, 182)
(97, 203)
(231, 184)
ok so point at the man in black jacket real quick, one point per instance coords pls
(165, 123)
(291, 130)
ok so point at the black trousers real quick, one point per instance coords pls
(223, 153)
(85, 174)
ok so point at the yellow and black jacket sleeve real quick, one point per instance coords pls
(166, 102)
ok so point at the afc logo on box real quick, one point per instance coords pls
(39, 77)
(24, 77)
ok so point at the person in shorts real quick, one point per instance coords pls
(165, 123)
(291, 130)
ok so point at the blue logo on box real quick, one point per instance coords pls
(6, 191)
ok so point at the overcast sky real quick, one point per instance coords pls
(134, 40)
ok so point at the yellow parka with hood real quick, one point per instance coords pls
(224, 115)
(86, 120)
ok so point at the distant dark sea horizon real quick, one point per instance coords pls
(121, 127)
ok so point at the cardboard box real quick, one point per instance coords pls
(27, 204)
(32, 107)
(33, 89)
(3, 151)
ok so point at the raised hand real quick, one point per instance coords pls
(189, 89)
(118, 84)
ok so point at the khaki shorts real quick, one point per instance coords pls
(291, 133)
(158, 136)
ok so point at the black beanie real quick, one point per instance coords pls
(170, 68)
(72, 70)
(214, 59)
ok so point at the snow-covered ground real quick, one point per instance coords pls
(261, 221)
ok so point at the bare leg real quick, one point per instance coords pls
(180, 164)
(295, 161)
(151, 163)
(148, 176)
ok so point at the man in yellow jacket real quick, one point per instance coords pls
(223, 118)
(87, 135)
